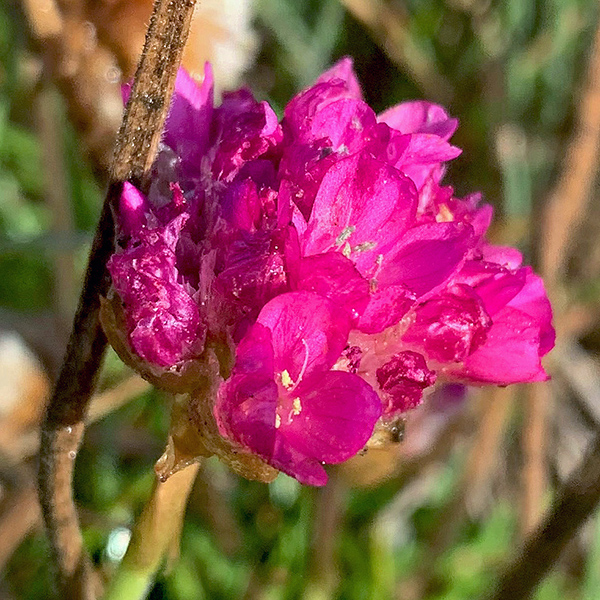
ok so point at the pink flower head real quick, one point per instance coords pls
(322, 264)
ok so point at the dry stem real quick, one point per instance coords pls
(328, 504)
(576, 501)
(572, 192)
(64, 421)
(534, 452)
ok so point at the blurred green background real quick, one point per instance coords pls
(514, 72)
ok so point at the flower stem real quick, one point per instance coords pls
(63, 424)
(156, 531)
(576, 501)
(323, 568)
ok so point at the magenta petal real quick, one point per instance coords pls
(402, 380)
(480, 220)
(420, 117)
(247, 129)
(505, 256)
(309, 332)
(426, 257)
(493, 284)
(254, 354)
(343, 71)
(449, 326)
(146, 278)
(363, 206)
(301, 171)
(424, 149)
(509, 355)
(343, 123)
(295, 463)
(246, 404)
(246, 410)
(334, 418)
(334, 276)
(533, 301)
(133, 210)
(385, 308)
(252, 277)
(164, 339)
(305, 107)
(188, 125)
(164, 321)
(241, 205)
(386, 144)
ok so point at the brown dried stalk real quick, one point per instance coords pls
(562, 215)
(64, 421)
(576, 501)
(328, 510)
(537, 401)
(83, 69)
(567, 202)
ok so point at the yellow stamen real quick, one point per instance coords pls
(297, 407)
(286, 380)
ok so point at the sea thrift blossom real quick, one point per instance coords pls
(307, 281)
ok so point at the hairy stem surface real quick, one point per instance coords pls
(63, 425)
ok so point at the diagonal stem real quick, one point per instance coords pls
(63, 424)
(157, 529)
(575, 503)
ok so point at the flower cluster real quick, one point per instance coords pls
(323, 266)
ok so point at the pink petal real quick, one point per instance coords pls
(386, 307)
(187, 128)
(363, 205)
(505, 256)
(509, 355)
(246, 410)
(424, 149)
(449, 326)
(343, 123)
(336, 413)
(301, 171)
(309, 332)
(247, 402)
(426, 257)
(336, 84)
(247, 129)
(163, 319)
(254, 353)
(402, 381)
(533, 301)
(333, 276)
(420, 117)
(133, 210)
(495, 285)
(343, 71)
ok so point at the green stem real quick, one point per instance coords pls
(155, 533)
